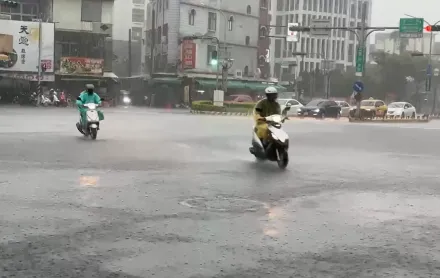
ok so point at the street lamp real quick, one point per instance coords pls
(429, 73)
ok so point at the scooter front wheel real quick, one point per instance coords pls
(93, 133)
(282, 159)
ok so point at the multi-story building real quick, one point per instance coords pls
(339, 47)
(81, 40)
(264, 40)
(128, 19)
(234, 23)
(391, 43)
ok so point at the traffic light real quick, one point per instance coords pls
(432, 28)
(214, 58)
(9, 3)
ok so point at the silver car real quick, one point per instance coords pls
(295, 105)
(345, 108)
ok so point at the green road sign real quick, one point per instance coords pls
(360, 60)
(411, 27)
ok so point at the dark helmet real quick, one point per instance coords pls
(90, 88)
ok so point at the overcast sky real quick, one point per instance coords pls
(388, 12)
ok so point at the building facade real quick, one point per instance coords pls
(391, 43)
(264, 54)
(129, 20)
(234, 23)
(339, 48)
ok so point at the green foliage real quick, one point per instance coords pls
(386, 75)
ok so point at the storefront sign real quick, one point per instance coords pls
(19, 41)
(81, 66)
(29, 77)
(188, 52)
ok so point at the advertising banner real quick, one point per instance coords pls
(81, 66)
(19, 45)
(188, 52)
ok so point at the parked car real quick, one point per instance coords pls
(345, 108)
(401, 109)
(320, 109)
(295, 105)
(371, 108)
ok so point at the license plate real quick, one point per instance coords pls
(306, 113)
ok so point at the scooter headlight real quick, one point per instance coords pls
(126, 100)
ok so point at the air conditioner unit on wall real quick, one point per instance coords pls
(238, 74)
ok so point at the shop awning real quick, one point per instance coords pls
(211, 84)
(166, 80)
(237, 84)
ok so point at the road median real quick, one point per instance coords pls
(417, 119)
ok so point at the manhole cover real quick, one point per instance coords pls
(224, 204)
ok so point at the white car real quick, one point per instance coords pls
(295, 105)
(345, 108)
(401, 109)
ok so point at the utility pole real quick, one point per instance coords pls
(40, 32)
(153, 40)
(129, 52)
(362, 45)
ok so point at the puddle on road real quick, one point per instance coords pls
(89, 181)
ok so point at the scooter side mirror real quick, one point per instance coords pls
(78, 98)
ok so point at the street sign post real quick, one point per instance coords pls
(316, 23)
(360, 60)
(358, 87)
(292, 36)
(411, 27)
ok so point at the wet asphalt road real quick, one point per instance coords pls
(178, 195)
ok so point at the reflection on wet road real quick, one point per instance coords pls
(176, 195)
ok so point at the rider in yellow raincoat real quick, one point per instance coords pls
(264, 108)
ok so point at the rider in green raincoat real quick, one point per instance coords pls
(88, 96)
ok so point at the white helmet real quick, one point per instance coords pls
(271, 90)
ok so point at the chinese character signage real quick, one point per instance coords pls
(188, 55)
(80, 65)
(19, 43)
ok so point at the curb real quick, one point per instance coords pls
(219, 113)
(418, 119)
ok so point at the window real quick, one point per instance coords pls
(138, 15)
(167, 4)
(263, 31)
(91, 10)
(136, 33)
(279, 22)
(230, 23)
(248, 9)
(246, 71)
(247, 40)
(139, 2)
(212, 21)
(30, 9)
(277, 48)
(293, 102)
(280, 5)
(211, 49)
(263, 3)
(192, 15)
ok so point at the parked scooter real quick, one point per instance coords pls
(276, 149)
(92, 125)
